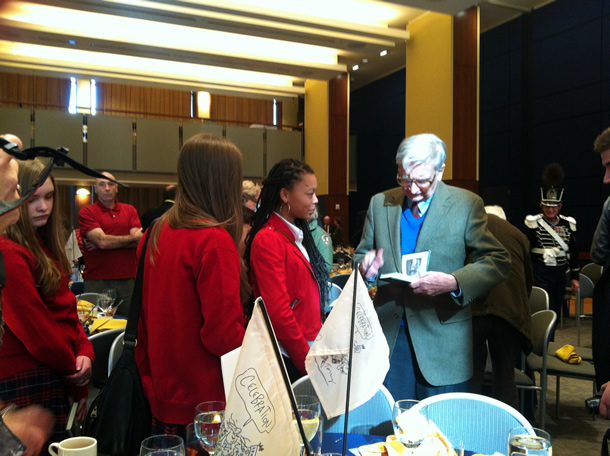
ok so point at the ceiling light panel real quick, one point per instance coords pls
(61, 57)
(149, 33)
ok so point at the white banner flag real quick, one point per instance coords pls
(327, 360)
(258, 415)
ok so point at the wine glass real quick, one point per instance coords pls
(105, 299)
(208, 418)
(410, 426)
(194, 446)
(162, 445)
(530, 441)
(309, 413)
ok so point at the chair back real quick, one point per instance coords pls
(101, 347)
(372, 418)
(586, 287)
(539, 300)
(592, 271)
(335, 292)
(340, 279)
(481, 422)
(116, 349)
(542, 325)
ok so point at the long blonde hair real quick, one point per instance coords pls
(209, 188)
(53, 234)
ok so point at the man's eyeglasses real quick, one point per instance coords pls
(422, 184)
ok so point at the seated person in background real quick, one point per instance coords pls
(169, 195)
(250, 194)
(337, 235)
(322, 240)
(46, 357)
(327, 226)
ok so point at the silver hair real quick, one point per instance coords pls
(496, 210)
(423, 148)
(314, 216)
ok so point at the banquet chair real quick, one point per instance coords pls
(542, 325)
(539, 300)
(116, 350)
(101, 347)
(592, 271)
(372, 418)
(584, 291)
(340, 279)
(481, 422)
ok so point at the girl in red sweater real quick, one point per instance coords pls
(286, 268)
(191, 312)
(45, 356)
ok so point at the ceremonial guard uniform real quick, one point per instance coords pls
(553, 248)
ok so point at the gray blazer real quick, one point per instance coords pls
(455, 231)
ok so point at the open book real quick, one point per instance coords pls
(413, 265)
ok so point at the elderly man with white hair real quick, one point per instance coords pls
(432, 353)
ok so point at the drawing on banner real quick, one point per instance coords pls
(332, 366)
(260, 412)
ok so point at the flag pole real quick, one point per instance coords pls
(287, 384)
(349, 358)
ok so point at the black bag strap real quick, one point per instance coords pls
(131, 331)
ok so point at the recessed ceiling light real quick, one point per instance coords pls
(355, 67)
(383, 53)
(365, 60)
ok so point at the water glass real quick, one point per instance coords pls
(310, 415)
(194, 446)
(208, 418)
(530, 441)
(163, 445)
(105, 299)
(410, 426)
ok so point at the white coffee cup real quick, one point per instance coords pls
(75, 446)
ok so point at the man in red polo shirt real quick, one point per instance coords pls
(111, 232)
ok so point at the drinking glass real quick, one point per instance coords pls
(208, 418)
(410, 426)
(310, 414)
(162, 445)
(105, 299)
(530, 441)
(194, 446)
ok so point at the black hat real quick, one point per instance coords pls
(551, 191)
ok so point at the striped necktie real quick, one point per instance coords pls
(415, 211)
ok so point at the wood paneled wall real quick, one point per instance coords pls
(127, 100)
(465, 99)
(18, 89)
(241, 111)
(130, 100)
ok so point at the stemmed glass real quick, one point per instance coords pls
(208, 418)
(530, 441)
(162, 445)
(309, 412)
(105, 299)
(410, 426)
